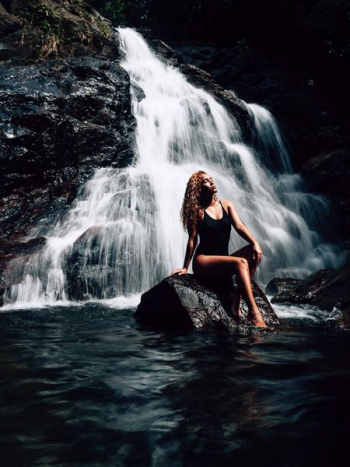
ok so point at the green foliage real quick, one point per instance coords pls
(124, 12)
(57, 26)
(115, 10)
(40, 16)
(54, 33)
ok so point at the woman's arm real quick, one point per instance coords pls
(241, 229)
(191, 246)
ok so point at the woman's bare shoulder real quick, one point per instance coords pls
(227, 204)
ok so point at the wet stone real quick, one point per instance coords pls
(183, 302)
(59, 121)
(281, 285)
(327, 289)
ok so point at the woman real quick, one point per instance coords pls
(203, 214)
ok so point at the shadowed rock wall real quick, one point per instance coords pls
(59, 121)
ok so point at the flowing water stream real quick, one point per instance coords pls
(123, 233)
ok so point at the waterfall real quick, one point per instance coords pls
(123, 233)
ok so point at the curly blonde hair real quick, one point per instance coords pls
(192, 207)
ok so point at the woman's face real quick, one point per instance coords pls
(208, 185)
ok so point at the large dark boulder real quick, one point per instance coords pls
(182, 302)
(59, 121)
(326, 289)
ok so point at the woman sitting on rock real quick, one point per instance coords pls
(203, 214)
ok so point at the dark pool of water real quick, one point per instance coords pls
(89, 386)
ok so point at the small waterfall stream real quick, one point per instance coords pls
(123, 233)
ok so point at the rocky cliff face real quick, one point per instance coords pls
(59, 121)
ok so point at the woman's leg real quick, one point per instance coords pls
(246, 252)
(209, 266)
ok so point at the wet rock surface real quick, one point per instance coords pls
(182, 302)
(281, 285)
(326, 289)
(59, 121)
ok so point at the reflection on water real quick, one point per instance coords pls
(88, 386)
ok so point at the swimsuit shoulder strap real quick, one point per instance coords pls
(223, 209)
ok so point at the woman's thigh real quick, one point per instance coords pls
(208, 266)
(246, 252)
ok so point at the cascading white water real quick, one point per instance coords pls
(269, 142)
(123, 233)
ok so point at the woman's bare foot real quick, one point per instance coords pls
(256, 319)
(235, 305)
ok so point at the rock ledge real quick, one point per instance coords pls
(182, 302)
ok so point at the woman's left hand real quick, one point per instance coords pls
(257, 252)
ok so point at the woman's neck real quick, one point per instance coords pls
(210, 201)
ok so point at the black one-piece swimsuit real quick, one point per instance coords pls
(214, 235)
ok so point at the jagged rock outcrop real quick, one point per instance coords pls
(326, 289)
(59, 121)
(182, 302)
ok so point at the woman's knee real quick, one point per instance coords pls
(243, 265)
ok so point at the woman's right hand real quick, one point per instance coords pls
(180, 271)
